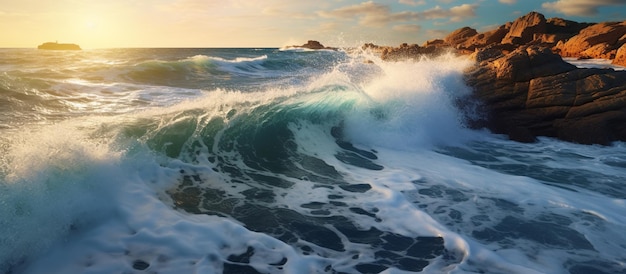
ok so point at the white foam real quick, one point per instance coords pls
(96, 201)
(204, 58)
(412, 104)
(593, 63)
(96, 210)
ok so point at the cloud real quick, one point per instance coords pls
(412, 2)
(407, 28)
(508, 2)
(188, 6)
(580, 7)
(459, 13)
(373, 14)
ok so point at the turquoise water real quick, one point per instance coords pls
(284, 161)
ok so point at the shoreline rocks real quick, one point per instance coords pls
(524, 87)
(532, 92)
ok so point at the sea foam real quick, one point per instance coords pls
(350, 167)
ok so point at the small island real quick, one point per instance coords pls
(313, 45)
(57, 46)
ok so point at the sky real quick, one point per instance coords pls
(270, 23)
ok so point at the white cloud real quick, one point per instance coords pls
(407, 28)
(580, 7)
(412, 2)
(373, 14)
(509, 2)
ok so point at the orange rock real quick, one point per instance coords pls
(604, 38)
(459, 36)
(620, 56)
(485, 39)
(524, 28)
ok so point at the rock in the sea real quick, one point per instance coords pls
(484, 39)
(620, 56)
(58, 46)
(406, 51)
(527, 63)
(597, 41)
(312, 44)
(524, 28)
(459, 36)
(527, 90)
(533, 92)
(561, 26)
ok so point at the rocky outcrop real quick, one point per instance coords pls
(620, 56)
(597, 41)
(526, 89)
(533, 92)
(312, 44)
(523, 29)
(460, 36)
(532, 28)
(481, 40)
(406, 51)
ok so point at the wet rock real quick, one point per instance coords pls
(525, 89)
(620, 56)
(140, 265)
(533, 92)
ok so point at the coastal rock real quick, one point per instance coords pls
(434, 42)
(526, 89)
(484, 39)
(533, 92)
(597, 41)
(524, 28)
(527, 63)
(565, 27)
(620, 56)
(459, 36)
(312, 44)
(405, 51)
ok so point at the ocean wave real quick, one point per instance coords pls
(355, 167)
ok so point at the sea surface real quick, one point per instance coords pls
(285, 161)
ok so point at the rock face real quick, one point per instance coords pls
(533, 92)
(524, 28)
(459, 36)
(527, 90)
(620, 56)
(532, 28)
(406, 51)
(481, 40)
(597, 41)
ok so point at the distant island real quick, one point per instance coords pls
(312, 44)
(57, 46)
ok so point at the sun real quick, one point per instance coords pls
(91, 25)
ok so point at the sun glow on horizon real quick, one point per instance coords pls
(268, 23)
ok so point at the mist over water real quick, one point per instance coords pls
(278, 161)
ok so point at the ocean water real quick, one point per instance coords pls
(284, 161)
